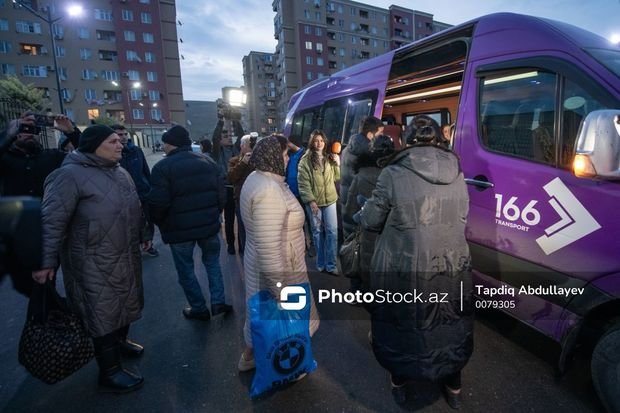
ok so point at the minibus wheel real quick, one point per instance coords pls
(606, 368)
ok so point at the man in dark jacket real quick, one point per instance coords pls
(358, 144)
(24, 165)
(186, 199)
(134, 162)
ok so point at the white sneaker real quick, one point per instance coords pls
(246, 365)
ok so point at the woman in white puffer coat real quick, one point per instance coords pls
(275, 243)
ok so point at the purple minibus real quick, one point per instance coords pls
(535, 109)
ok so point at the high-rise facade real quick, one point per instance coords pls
(260, 86)
(317, 38)
(119, 59)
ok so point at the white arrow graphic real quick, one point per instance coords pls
(575, 220)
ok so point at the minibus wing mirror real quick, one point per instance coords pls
(598, 146)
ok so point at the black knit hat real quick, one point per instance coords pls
(177, 136)
(93, 136)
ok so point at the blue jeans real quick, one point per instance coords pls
(325, 236)
(183, 255)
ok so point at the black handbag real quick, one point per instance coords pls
(350, 255)
(54, 343)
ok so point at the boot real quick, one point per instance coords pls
(113, 377)
(131, 349)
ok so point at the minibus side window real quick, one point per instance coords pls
(576, 105)
(517, 113)
(333, 120)
(355, 112)
(302, 126)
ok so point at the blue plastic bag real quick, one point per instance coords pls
(281, 340)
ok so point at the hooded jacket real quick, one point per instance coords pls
(91, 219)
(420, 207)
(358, 145)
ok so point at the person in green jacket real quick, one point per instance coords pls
(317, 176)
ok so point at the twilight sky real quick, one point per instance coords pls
(217, 34)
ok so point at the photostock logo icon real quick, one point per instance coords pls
(292, 290)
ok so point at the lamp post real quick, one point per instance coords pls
(74, 10)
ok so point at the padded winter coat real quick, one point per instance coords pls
(420, 207)
(274, 244)
(187, 196)
(315, 184)
(358, 145)
(92, 220)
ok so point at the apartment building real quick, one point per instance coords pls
(260, 86)
(317, 38)
(118, 58)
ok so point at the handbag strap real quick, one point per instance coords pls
(43, 299)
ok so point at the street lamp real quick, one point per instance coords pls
(74, 11)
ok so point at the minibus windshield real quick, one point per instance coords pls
(608, 58)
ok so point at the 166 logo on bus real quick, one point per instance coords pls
(507, 213)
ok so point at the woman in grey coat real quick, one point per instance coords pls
(420, 207)
(92, 221)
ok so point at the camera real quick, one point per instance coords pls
(29, 129)
(228, 112)
(44, 120)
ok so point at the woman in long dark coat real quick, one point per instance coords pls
(92, 221)
(420, 207)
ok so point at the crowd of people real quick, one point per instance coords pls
(100, 203)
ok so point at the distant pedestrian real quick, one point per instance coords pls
(134, 162)
(223, 152)
(206, 147)
(186, 200)
(275, 240)
(317, 176)
(239, 169)
(419, 208)
(91, 218)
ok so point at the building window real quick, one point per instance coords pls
(319, 61)
(127, 15)
(86, 54)
(90, 94)
(146, 18)
(110, 75)
(317, 16)
(309, 75)
(4, 25)
(308, 45)
(341, 37)
(132, 56)
(343, 51)
(340, 23)
(148, 38)
(89, 74)
(103, 15)
(154, 95)
(318, 31)
(306, 15)
(62, 73)
(7, 69)
(60, 51)
(133, 75)
(307, 29)
(137, 113)
(110, 55)
(83, 33)
(93, 113)
(135, 94)
(309, 60)
(353, 40)
(59, 31)
(149, 57)
(129, 36)
(66, 94)
(151, 76)
(145, 1)
(22, 26)
(155, 114)
(319, 47)
(5, 47)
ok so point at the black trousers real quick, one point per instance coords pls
(110, 339)
(453, 381)
(229, 216)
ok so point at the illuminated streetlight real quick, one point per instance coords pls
(615, 38)
(73, 11)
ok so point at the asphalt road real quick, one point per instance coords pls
(190, 366)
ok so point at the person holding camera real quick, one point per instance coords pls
(239, 168)
(24, 165)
